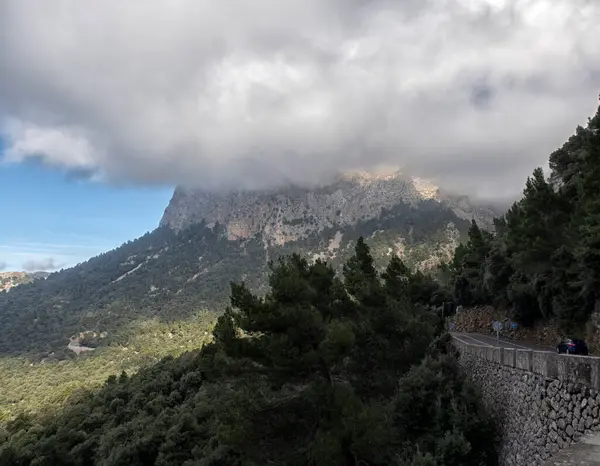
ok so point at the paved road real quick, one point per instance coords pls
(487, 340)
(584, 453)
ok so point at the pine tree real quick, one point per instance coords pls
(396, 278)
(468, 266)
(588, 251)
(295, 328)
(360, 277)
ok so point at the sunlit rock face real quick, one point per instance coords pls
(293, 213)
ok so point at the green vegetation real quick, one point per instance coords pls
(543, 262)
(33, 387)
(321, 370)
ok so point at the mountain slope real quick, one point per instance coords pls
(207, 240)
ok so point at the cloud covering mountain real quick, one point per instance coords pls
(255, 94)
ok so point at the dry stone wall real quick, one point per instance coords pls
(542, 401)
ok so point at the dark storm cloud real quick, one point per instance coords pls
(471, 93)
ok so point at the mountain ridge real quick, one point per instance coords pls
(207, 240)
(282, 214)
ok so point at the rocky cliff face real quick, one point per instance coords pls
(9, 280)
(295, 213)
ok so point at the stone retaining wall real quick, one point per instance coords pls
(542, 401)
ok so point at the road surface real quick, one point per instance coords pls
(488, 340)
(584, 453)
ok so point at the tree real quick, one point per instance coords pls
(587, 252)
(295, 330)
(468, 267)
(360, 277)
(543, 261)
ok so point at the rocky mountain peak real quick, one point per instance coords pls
(294, 212)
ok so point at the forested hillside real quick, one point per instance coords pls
(145, 278)
(543, 261)
(172, 276)
(324, 370)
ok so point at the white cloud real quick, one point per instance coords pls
(54, 144)
(33, 256)
(37, 265)
(472, 92)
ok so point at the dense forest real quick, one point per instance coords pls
(324, 369)
(543, 260)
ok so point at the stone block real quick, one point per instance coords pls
(482, 351)
(509, 357)
(595, 373)
(497, 355)
(545, 363)
(493, 354)
(562, 364)
(523, 359)
(459, 345)
(579, 370)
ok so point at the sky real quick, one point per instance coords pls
(50, 221)
(471, 94)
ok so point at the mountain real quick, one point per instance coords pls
(206, 240)
(400, 215)
(9, 280)
(294, 213)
